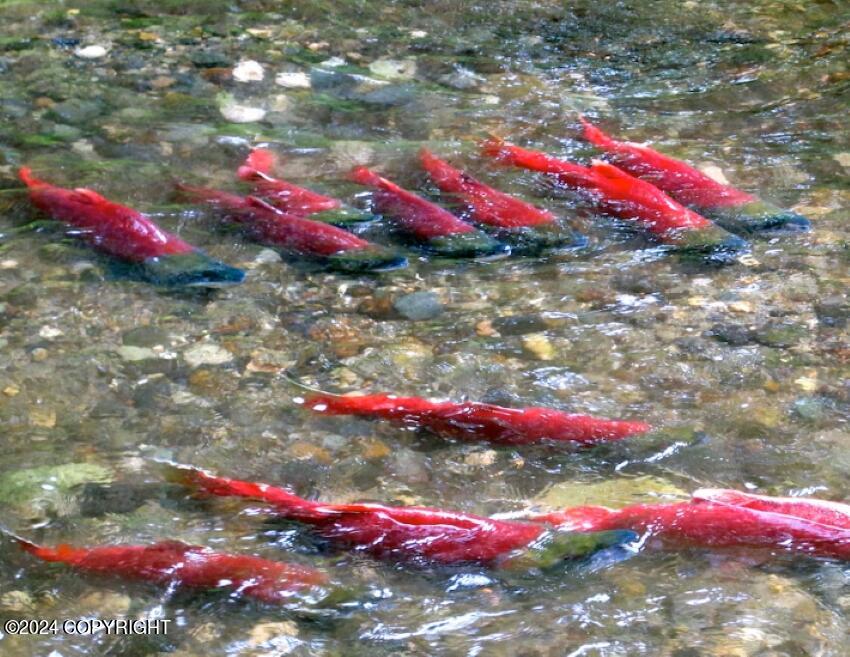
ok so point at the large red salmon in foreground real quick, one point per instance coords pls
(477, 421)
(616, 193)
(154, 254)
(332, 245)
(191, 566)
(718, 518)
(415, 533)
(733, 209)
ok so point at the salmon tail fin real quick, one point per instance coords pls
(495, 147)
(284, 502)
(429, 160)
(330, 404)
(365, 176)
(260, 163)
(595, 136)
(444, 175)
(62, 553)
(27, 177)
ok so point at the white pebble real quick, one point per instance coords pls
(293, 80)
(333, 62)
(206, 353)
(91, 52)
(248, 71)
(394, 69)
(242, 113)
(49, 332)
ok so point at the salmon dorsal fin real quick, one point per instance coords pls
(721, 496)
(595, 135)
(179, 547)
(88, 196)
(365, 176)
(27, 177)
(610, 171)
(259, 203)
(261, 162)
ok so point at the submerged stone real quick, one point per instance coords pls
(210, 59)
(394, 69)
(206, 354)
(76, 111)
(145, 336)
(418, 306)
(779, 334)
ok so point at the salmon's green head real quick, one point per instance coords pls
(554, 547)
(757, 217)
(191, 269)
(343, 216)
(473, 244)
(535, 240)
(373, 258)
(712, 244)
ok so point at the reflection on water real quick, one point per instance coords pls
(741, 369)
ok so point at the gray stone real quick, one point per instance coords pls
(462, 78)
(210, 59)
(833, 310)
(76, 111)
(145, 336)
(418, 306)
(779, 334)
(409, 466)
(734, 334)
(391, 95)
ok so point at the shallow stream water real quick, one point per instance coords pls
(742, 370)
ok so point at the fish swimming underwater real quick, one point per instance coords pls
(730, 207)
(718, 518)
(438, 230)
(335, 247)
(258, 169)
(616, 193)
(477, 421)
(415, 533)
(174, 563)
(527, 228)
(155, 255)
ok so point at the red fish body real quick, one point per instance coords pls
(730, 207)
(190, 566)
(439, 230)
(124, 233)
(258, 169)
(477, 421)
(725, 519)
(618, 194)
(339, 248)
(526, 226)
(416, 533)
